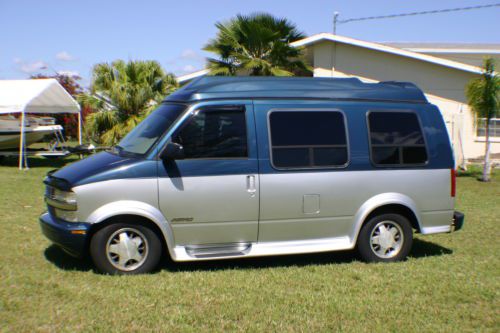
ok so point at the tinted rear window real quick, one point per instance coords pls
(308, 139)
(396, 139)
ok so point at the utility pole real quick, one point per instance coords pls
(335, 16)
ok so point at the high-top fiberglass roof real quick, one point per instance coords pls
(217, 87)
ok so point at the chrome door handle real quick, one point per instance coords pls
(251, 184)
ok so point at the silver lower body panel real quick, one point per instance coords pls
(214, 252)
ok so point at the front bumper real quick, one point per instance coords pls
(71, 237)
(458, 221)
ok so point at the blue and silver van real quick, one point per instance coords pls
(243, 167)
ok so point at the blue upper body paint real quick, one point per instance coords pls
(260, 95)
(214, 87)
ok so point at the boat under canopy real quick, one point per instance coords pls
(37, 96)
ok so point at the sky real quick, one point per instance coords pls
(71, 36)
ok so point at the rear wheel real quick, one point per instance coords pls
(385, 238)
(125, 248)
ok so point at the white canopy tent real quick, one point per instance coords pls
(36, 96)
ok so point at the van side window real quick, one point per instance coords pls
(308, 139)
(215, 134)
(396, 139)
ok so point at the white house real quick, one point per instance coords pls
(440, 70)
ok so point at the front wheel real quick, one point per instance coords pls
(125, 248)
(385, 238)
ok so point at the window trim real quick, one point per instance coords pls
(270, 148)
(399, 165)
(483, 138)
(212, 108)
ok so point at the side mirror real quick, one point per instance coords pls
(172, 151)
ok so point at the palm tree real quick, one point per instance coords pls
(123, 94)
(483, 98)
(258, 44)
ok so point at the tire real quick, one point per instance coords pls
(125, 248)
(385, 238)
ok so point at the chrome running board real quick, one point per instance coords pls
(218, 250)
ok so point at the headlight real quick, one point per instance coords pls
(68, 197)
(61, 196)
(60, 200)
(66, 215)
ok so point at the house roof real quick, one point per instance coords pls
(187, 77)
(385, 48)
(35, 96)
(240, 87)
(430, 47)
(404, 49)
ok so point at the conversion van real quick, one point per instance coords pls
(243, 167)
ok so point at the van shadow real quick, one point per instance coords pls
(34, 162)
(296, 260)
(421, 249)
(64, 261)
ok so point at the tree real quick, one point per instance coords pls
(69, 82)
(123, 94)
(483, 98)
(71, 85)
(258, 44)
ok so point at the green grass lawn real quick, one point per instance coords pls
(451, 282)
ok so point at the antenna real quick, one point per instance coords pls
(335, 17)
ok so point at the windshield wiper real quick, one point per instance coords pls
(120, 151)
(116, 149)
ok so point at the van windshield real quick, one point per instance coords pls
(145, 135)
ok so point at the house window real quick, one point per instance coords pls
(308, 139)
(494, 127)
(396, 139)
(214, 134)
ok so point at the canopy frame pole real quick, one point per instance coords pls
(21, 142)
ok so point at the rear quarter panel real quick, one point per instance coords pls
(348, 195)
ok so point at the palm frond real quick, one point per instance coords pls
(127, 91)
(220, 68)
(276, 71)
(483, 94)
(257, 44)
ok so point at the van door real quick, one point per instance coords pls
(212, 195)
(303, 153)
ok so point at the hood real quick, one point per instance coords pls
(100, 167)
